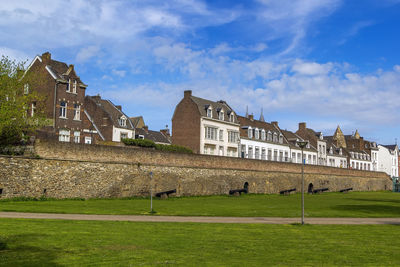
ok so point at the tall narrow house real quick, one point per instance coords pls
(205, 126)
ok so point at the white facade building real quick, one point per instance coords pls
(388, 160)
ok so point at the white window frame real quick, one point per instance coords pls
(88, 140)
(221, 135)
(64, 135)
(221, 115)
(77, 112)
(77, 136)
(69, 85)
(122, 122)
(74, 87)
(63, 110)
(210, 133)
(209, 112)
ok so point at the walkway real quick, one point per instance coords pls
(199, 219)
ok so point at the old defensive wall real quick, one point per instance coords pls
(92, 171)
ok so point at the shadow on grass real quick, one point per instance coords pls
(378, 210)
(15, 251)
(397, 201)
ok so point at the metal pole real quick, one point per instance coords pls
(302, 187)
(151, 192)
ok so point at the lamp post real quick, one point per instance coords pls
(151, 192)
(302, 145)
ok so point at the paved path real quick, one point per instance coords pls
(198, 219)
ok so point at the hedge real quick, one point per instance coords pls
(161, 147)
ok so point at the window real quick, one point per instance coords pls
(33, 109)
(256, 133)
(26, 88)
(221, 151)
(293, 157)
(280, 139)
(269, 136)
(269, 154)
(275, 155)
(122, 121)
(231, 117)
(314, 159)
(286, 156)
(77, 136)
(281, 156)
(69, 85)
(257, 153)
(263, 134)
(340, 151)
(298, 157)
(221, 135)
(211, 133)
(275, 140)
(263, 155)
(331, 150)
(124, 135)
(309, 159)
(74, 87)
(250, 132)
(88, 140)
(64, 135)
(250, 152)
(221, 115)
(233, 137)
(63, 110)
(77, 112)
(209, 113)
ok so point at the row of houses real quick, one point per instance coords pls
(80, 118)
(213, 127)
(205, 126)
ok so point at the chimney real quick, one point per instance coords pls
(275, 123)
(146, 128)
(251, 117)
(118, 107)
(46, 57)
(302, 126)
(165, 132)
(187, 93)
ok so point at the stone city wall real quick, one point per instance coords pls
(87, 171)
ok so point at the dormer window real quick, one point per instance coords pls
(275, 138)
(250, 132)
(321, 137)
(209, 112)
(340, 151)
(231, 117)
(221, 115)
(280, 139)
(330, 150)
(269, 136)
(263, 134)
(256, 133)
(308, 145)
(122, 121)
(74, 87)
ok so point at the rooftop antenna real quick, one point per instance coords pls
(247, 111)
(262, 116)
(395, 141)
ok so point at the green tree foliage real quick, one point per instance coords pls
(16, 118)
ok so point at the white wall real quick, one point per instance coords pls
(221, 147)
(116, 137)
(339, 162)
(280, 149)
(388, 161)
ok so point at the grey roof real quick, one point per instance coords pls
(391, 147)
(157, 137)
(60, 69)
(203, 104)
(136, 120)
(113, 112)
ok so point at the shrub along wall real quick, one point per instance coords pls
(107, 174)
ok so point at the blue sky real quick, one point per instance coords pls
(325, 62)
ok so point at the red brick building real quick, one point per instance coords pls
(64, 94)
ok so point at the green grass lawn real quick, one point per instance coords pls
(353, 204)
(26, 242)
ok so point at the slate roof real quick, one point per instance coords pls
(59, 69)
(246, 122)
(391, 147)
(113, 112)
(157, 137)
(136, 120)
(203, 104)
(292, 138)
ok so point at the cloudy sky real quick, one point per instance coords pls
(325, 62)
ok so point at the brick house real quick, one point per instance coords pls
(108, 119)
(316, 139)
(205, 126)
(64, 94)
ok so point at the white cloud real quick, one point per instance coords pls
(86, 53)
(120, 73)
(311, 68)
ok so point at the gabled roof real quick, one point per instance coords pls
(203, 104)
(136, 121)
(292, 138)
(391, 147)
(157, 137)
(112, 111)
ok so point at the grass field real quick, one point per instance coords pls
(353, 204)
(79, 243)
